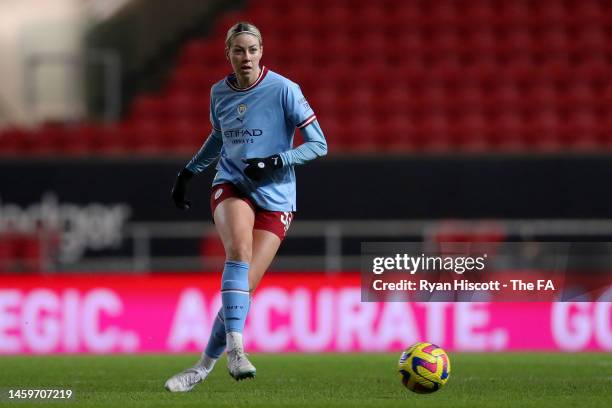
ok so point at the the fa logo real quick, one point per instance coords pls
(241, 109)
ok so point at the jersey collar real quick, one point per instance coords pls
(231, 81)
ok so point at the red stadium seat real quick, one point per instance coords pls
(198, 52)
(406, 14)
(433, 131)
(552, 41)
(514, 13)
(543, 130)
(550, 12)
(148, 106)
(184, 137)
(399, 133)
(445, 41)
(479, 41)
(362, 100)
(363, 133)
(139, 136)
(542, 95)
(445, 14)
(182, 104)
(508, 96)
(13, 141)
(111, 140)
(588, 13)
(509, 132)
(47, 139)
(591, 39)
(325, 101)
(478, 13)
(193, 77)
(406, 45)
(583, 131)
(516, 41)
(370, 15)
(593, 67)
(471, 132)
(578, 95)
(335, 15)
(80, 140)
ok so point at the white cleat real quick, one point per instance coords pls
(239, 365)
(187, 379)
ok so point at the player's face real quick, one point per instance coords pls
(244, 55)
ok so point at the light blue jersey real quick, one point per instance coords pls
(260, 121)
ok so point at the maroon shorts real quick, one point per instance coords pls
(277, 222)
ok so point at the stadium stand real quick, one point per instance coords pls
(391, 76)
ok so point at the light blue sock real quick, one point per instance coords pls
(216, 342)
(235, 295)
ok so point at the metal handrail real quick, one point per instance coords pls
(335, 257)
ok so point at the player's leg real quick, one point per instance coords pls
(269, 231)
(265, 246)
(217, 341)
(234, 220)
(189, 378)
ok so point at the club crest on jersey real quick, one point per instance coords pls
(242, 108)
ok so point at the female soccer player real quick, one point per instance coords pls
(254, 113)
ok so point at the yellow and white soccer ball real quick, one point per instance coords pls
(424, 368)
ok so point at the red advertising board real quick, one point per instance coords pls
(313, 312)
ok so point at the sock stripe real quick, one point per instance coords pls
(244, 292)
(237, 264)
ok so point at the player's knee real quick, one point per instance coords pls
(240, 251)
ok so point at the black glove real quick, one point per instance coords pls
(180, 189)
(257, 168)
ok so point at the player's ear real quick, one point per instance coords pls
(227, 53)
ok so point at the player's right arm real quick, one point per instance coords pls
(208, 153)
(211, 148)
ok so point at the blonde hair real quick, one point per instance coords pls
(242, 27)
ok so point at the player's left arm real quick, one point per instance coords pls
(314, 146)
(298, 112)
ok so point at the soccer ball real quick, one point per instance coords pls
(424, 368)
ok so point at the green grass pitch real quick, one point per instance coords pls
(317, 380)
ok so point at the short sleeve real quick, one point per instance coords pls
(297, 109)
(214, 120)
